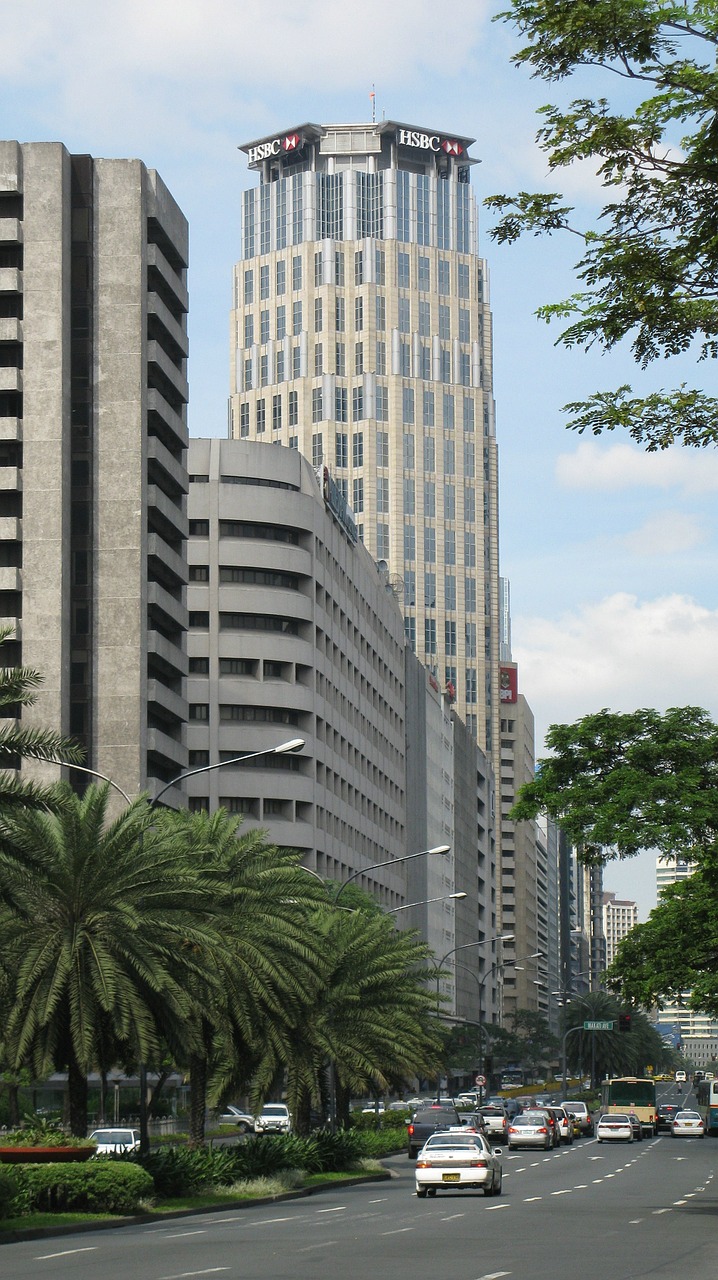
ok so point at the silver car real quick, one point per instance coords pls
(530, 1129)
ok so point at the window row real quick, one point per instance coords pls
(430, 546)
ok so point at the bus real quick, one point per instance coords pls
(706, 1092)
(629, 1093)
(512, 1078)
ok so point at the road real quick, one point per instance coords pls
(646, 1209)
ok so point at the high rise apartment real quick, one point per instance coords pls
(619, 917)
(93, 393)
(361, 335)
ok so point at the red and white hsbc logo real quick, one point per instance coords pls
(263, 150)
(428, 142)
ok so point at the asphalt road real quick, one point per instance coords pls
(606, 1212)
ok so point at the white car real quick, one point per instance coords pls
(688, 1124)
(614, 1128)
(234, 1115)
(274, 1118)
(458, 1161)
(111, 1142)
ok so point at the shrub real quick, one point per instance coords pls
(264, 1156)
(39, 1132)
(383, 1142)
(9, 1191)
(336, 1152)
(104, 1186)
(186, 1171)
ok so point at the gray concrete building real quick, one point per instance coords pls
(294, 632)
(361, 335)
(93, 393)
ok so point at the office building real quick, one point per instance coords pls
(361, 336)
(619, 917)
(93, 393)
(294, 632)
(695, 1032)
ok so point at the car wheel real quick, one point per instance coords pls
(499, 1185)
(243, 1127)
(488, 1188)
(412, 1154)
(431, 1191)
(421, 1192)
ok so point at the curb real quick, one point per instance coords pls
(139, 1219)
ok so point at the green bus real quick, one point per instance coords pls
(629, 1093)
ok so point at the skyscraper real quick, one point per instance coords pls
(361, 335)
(93, 392)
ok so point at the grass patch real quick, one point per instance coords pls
(30, 1220)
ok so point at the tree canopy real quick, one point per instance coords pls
(619, 783)
(649, 266)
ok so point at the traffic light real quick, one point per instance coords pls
(624, 1022)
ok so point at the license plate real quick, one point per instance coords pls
(451, 1177)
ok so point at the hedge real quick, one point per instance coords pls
(103, 1186)
(9, 1188)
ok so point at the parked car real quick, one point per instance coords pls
(530, 1129)
(614, 1128)
(665, 1112)
(273, 1118)
(458, 1161)
(688, 1124)
(582, 1114)
(115, 1142)
(241, 1119)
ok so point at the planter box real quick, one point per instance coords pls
(44, 1155)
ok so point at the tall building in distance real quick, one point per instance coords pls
(93, 434)
(619, 917)
(696, 1033)
(361, 336)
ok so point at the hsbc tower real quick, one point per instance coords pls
(361, 336)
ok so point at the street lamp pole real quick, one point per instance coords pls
(389, 862)
(483, 942)
(445, 897)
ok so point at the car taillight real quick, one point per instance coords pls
(543, 1129)
(411, 1129)
(478, 1164)
(512, 1129)
(423, 1164)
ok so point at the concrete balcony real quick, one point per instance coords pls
(164, 653)
(156, 307)
(156, 258)
(167, 749)
(169, 513)
(10, 578)
(171, 702)
(176, 477)
(10, 329)
(174, 611)
(10, 429)
(173, 421)
(11, 231)
(10, 280)
(10, 379)
(10, 479)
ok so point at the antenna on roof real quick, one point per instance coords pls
(372, 96)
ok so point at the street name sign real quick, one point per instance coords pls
(598, 1026)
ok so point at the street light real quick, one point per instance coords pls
(425, 901)
(389, 862)
(483, 942)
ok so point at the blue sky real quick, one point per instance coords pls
(610, 552)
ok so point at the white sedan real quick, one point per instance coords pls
(688, 1124)
(614, 1128)
(456, 1160)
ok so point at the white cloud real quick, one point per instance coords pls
(665, 534)
(623, 466)
(620, 653)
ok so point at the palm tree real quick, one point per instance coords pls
(268, 959)
(372, 1019)
(18, 742)
(103, 933)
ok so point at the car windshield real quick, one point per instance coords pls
(687, 1115)
(614, 1120)
(452, 1140)
(274, 1111)
(112, 1136)
(530, 1117)
(435, 1115)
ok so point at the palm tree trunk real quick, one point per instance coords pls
(343, 1108)
(77, 1094)
(197, 1099)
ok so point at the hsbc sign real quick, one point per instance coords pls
(428, 142)
(278, 146)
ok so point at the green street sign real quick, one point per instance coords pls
(598, 1026)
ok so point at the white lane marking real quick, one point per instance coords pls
(382, 1201)
(179, 1235)
(181, 1275)
(565, 1192)
(679, 1202)
(496, 1206)
(530, 1199)
(690, 1195)
(581, 1186)
(216, 1221)
(597, 1180)
(340, 1208)
(398, 1231)
(494, 1275)
(268, 1222)
(634, 1221)
(326, 1244)
(609, 1175)
(452, 1216)
(88, 1248)
(657, 1211)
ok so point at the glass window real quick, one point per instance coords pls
(296, 362)
(264, 327)
(471, 685)
(382, 541)
(405, 359)
(296, 318)
(358, 449)
(404, 315)
(429, 453)
(445, 364)
(469, 549)
(319, 268)
(464, 325)
(358, 314)
(358, 495)
(469, 459)
(341, 449)
(469, 504)
(340, 359)
(428, 400)
(468, 414)
(248, 287)
(424, 318)
(410, 587)
(293, 408)
(429, 498)
(244, 420)
(317, 405)
(450, 638)
(382, 495)
(402, 268)
(409, 542)
(408, 452)
(424, 275)
(263, 370)
(296, 272)
(276, 413)
(448, 410)
(248, 375)
(382, 448)
(449, 458)
(318, 359)
(281, 322)
(318, 315)
(403, 219)
(444, 321)
(449, 546)
(424, 370)
(409, 496)
(359, 267)
(407, 405)
(410, 632)
(429, 545)
(340, 404)
(317, 450)
(380, 266)
(261, 416)
(339, 314)
(465, 369)
(471, 639)
(357, 404)
(444, 276)
(449, 502)
(470, 594)
(264, 282)
(338, 265)
(248, 331)
(358, 357)
(382, 403)
(450, 591)
(281, 277)
(380, 311)
(462, 279)
(430, 635)
(381, 357)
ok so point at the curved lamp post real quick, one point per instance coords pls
(445, 897)
(389, 862)
(483, 942)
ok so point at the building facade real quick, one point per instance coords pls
(690, 1029)
(93, 435)
(361, 336)
(293, 633)
(619, 917)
